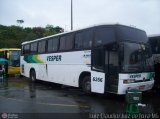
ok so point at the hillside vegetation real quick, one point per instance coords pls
(13, 36)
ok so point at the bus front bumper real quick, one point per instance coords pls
(142, 86)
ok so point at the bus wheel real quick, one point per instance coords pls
(33, 76)
(86, 84)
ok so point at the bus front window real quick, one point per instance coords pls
(135, 57)
(14, 59)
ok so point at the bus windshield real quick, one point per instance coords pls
(14, 59)
(135, 57)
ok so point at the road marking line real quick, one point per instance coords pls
(50, 104)
(64, 105)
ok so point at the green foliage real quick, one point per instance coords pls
(13, 36)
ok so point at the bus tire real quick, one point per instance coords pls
(33, 76)
(86, 84)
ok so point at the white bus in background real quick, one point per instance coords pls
(103, 58)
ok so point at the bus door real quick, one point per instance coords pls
(111, 70)
(97, 73)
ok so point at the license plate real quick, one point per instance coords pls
(141, 88)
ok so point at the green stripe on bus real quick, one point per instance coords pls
(33, 59)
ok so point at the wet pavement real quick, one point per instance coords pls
(20, 96)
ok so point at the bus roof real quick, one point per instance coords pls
(80, 30)
(8, 49)
(154, 35)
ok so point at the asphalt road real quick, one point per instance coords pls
(20, 98)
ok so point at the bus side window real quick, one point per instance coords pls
(62, 43)
(55, 44)
(69, 42)
(41, 46)
(66, 42)
(26, 49)
(52, 44)
(78, 41)
(83, 39)
(87, 41)
(34, 47)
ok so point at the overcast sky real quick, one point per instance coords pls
(143, 14)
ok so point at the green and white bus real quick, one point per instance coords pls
(103, 58)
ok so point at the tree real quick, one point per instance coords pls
(13, 36)
(51, 30)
